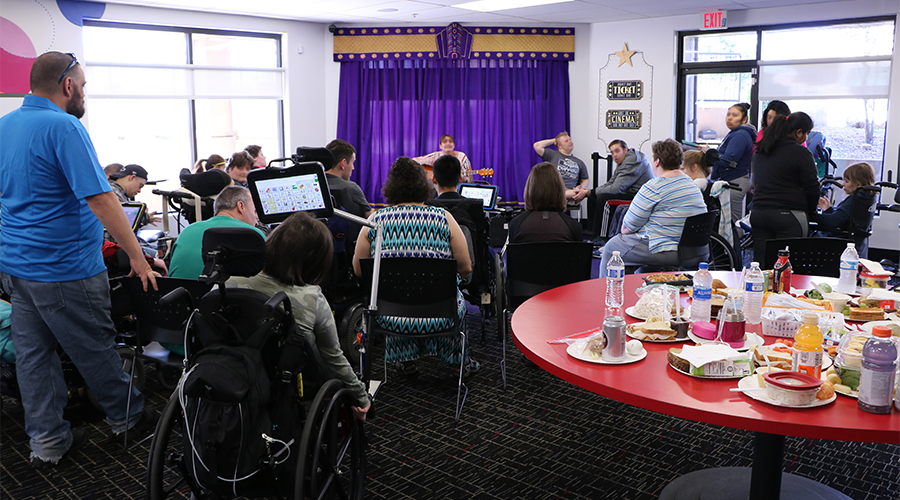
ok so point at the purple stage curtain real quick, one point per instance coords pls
(494, 109)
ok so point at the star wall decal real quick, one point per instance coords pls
(625, 55)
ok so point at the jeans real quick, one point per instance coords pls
(75, 315)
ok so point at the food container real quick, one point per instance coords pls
(838, 300)
(778, 322)
(792, 388)
(704, 330)
(868, 279)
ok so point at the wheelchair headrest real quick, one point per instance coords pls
(232, 251)
(209, 183)
(320, 155)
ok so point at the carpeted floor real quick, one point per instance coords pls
(539, 438)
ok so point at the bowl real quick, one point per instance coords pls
(792, 388)
(838, 300)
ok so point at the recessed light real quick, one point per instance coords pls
(494, 5)
(388, 10)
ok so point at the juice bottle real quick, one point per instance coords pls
(807, 354)
(876, 380)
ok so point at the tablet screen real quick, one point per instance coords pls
(486, 193)
(279, 192)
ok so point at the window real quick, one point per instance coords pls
(837, 73)
(165, 97)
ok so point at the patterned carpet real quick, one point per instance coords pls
(539, 438)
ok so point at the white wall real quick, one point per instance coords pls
(658, 38)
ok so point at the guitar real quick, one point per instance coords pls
(483, 172)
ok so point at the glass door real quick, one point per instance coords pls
(707, 96)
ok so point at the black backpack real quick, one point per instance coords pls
(242, 419)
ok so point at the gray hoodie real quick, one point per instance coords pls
(629, 176)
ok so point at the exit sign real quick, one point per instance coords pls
(714, 20)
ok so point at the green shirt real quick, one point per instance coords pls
(187, 254)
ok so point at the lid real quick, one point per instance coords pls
(615, 252)
(704, 265)
(810, 319)
(882, 331)
(792, 381)
(870, 274)
(754, 264)
(784, 253)
(851, 245)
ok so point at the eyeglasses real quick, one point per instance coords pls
(69, 67)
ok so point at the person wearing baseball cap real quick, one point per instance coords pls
(127, 183)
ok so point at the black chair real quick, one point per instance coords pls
(810, 256)
(532, 268)
(694, 244)
(862, 215)
(416, 288)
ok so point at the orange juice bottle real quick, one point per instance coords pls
(807, 354)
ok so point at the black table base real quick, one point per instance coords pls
(764, 481)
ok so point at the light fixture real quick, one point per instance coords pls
(494, 5)
(388, 10)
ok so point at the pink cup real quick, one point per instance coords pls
(734, 328)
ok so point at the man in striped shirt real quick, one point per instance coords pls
(652, 227)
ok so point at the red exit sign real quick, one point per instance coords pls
(714, 20)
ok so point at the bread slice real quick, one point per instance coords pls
(866, 314)
(676, 361)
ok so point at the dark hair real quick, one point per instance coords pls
(406, 183)
(619, 142)
(780, 130)
(209, 163)
(253, 150)
(46, 70)
(544, 189)
(229, 198)
(340, 150)
(447, 136)
(112, 168)
(860, 173)
(779, 107)
(696, 158)
(447, 171)
(299, 251)
(240, 159)
(744, 107)
(669, 154)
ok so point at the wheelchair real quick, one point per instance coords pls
(318, 452)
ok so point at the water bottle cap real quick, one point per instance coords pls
(754, 264)
(851, 245)
(615, 252)
(704, 265)
(882, 331)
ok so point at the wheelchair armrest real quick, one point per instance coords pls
(279, 298)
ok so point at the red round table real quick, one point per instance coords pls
(653, 385)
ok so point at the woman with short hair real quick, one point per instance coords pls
(298, 256)
(239, 166)
(413, 229)
(545, 202)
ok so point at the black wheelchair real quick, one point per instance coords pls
(313, 447)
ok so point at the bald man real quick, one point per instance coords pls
(56, 201)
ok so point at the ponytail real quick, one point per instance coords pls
(780, 128)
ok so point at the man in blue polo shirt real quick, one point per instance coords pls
(56, 201)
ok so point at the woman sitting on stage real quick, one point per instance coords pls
(437, 235)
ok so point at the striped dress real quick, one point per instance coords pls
(417, 231)
(660, 208)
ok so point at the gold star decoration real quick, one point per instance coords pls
(625, 55)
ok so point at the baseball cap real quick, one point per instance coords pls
(132, 169)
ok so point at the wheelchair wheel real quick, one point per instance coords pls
(168, 376)
(126, 354)
(332, 461)
(351, 324)
(164, 477)
(721, 255)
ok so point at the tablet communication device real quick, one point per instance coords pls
(134, 211)
(487, 193)
(280, 191)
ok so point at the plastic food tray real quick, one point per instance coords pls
(785, 328)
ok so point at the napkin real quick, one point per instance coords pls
(873, 266)
(699, 355)
(882, 294)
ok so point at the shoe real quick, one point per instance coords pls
(79, 438)
(470, 367)
(408, 368)
(597, 253)
(145, 425)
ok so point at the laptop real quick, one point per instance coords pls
(487, 193)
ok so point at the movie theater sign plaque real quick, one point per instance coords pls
(626, 94)
(618, 119)
(631, 90)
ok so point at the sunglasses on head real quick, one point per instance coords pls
(69, 67)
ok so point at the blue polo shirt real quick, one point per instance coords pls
(48, 166)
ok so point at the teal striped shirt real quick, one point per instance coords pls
(659, 209)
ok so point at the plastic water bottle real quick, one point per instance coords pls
(701, 297)
(849, 268)
(754, 289)
(879, 366)
(615, 281)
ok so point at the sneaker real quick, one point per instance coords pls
(597, 253)
(470, 367)
(408, 368)
(79, 438)
(145, 425)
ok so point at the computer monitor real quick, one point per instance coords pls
(487, 193)
(134, 211)
(280, 191)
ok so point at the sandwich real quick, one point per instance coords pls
(594, 348)
(779, 357)
(676, 361)
(866, 314)
(653, 329)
